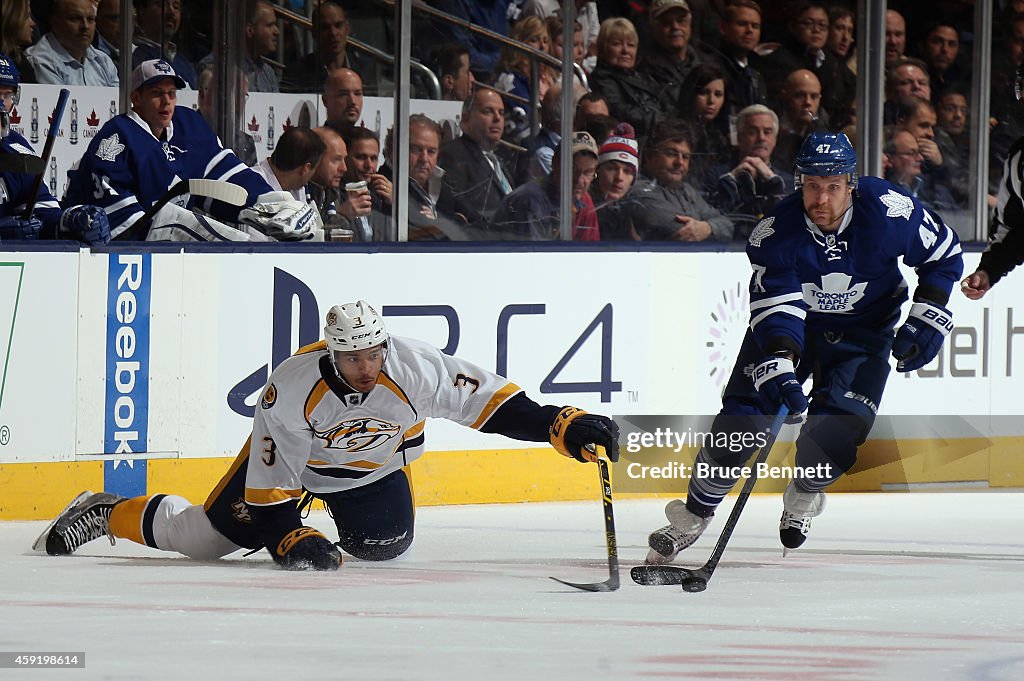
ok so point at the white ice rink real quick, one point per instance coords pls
(889, 587)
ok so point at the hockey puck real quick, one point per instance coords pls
(695, 584)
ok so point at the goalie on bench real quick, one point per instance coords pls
(136, 157)
(825, 296)
(341, 420)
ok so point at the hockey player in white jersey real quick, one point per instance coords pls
(135, 158)
(339, 421)
(825, 295)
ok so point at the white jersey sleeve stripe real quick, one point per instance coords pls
(940, 252)
(220, 156)
(779, 309)
(775, 300)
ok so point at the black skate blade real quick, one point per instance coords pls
(661, 575)
(611, 584)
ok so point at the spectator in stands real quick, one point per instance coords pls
(65, 55)
(751, 184)
(940, 49)
(917, 116)
(554, 26)
(905, 157)
(662, 205)
(951, 137)
(801, 114)
(16, 27)
(740, 31)
(361, 166)
(600, 127)
(590, 103)
(157, 23)
(475, 176)
(513, 76)
(804, 48)
(535, 164)
(108, 30)
(324, 189)
(343, 99)
(702, 101)
(618, 163)
(905, 78)
(430, 217)
(630, 95)
(489, 14)
(451, 65)
(292, 165)
(243, 143)
(261, 35)
(331, 29)
(587, 16)
(669, 57)
(895, 36)
(532, 212)
(840, 36)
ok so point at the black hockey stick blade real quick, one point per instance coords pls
(612, 583)
(661, 575)
(21, 163)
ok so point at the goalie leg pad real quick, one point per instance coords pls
(174, 223)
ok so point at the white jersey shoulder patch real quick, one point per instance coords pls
(762, 231)
(897, 205)
(110, 148)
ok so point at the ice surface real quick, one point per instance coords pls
(888, 586)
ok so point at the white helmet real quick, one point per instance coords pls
(354, 326)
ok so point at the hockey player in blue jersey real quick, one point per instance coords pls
(86, 223)
(825, 296)
(136, 157)
(15, 186)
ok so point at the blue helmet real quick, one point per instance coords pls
(823, 154)
(10, 76)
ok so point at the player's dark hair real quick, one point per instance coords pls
(297, 147)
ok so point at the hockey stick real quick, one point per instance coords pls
(51, 138)
(218, 190)
(612, 583)
(697, 580)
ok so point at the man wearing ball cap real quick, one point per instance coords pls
(532, 211)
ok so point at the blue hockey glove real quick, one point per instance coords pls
(14, 229)
(306, 548)
(776, 383)
(920, 338)
(88, 224)
(574, 429)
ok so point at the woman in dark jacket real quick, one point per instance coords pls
(630, 96)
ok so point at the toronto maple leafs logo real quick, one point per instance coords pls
(110, 148)
(835, 294)
(897, 205)
(762, 231)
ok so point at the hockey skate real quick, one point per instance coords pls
(86, 518)
(799, 507)
(684, 530)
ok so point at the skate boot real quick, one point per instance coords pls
(683, 531)
(799, 507)
(86, 518)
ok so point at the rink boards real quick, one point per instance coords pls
(138, 371)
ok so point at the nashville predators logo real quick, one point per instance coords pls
(357, 435)
(240, 511)
(269, 397)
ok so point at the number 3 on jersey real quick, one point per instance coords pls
(269, 451)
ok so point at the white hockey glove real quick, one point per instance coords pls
(281, 216)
